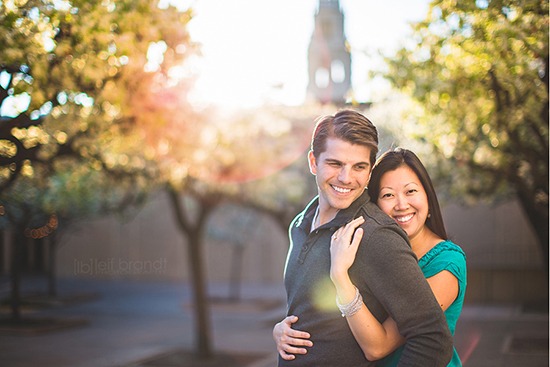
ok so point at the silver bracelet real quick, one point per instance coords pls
(353, 307)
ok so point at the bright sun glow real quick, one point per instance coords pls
(256, 51)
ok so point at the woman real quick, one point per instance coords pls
(401, 187)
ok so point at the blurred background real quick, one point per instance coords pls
(153, 154)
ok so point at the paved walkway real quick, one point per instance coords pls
(130, 322)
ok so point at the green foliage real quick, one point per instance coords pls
(79, 76)
(479, 69)
(72, 195)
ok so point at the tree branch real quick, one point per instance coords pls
(180, 214)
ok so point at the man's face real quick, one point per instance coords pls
(342, 172)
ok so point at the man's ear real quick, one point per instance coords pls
(312, 163)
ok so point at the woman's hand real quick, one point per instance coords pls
(343, 248)
(289, 340)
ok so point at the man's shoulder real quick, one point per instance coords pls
(379, 225)
(377, 216)
(297, 221)
(299, 218)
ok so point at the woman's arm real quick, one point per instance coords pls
(445, 287)
(372, 336)
(375, 339)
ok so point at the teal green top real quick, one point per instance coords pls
(443, 256)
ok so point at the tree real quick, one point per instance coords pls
(71, 73)
(207, 160)
(40, 206)
(479, 71)
(261, 156)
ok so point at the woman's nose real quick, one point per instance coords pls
(401, 203)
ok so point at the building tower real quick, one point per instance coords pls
(328, 56)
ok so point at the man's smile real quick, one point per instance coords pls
(340, 189)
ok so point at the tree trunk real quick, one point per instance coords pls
(540, 224)
(38, 255)
(16, 252)
(2, 251)
(204, 349)
(236, 272)
(52, 288)
(194, 234)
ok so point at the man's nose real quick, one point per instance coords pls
(345, 175)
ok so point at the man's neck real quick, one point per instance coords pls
(324, 215)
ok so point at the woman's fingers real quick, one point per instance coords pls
(343, 247)
(288, 357)
(289, 349)
(344, 234)
(296, 340)
(294, 337)
(298, 335)
(288, 352)
(357, 236)
(352, 226)
(290, 340)
(357, 220)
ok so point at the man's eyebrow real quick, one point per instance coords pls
(334, 160)
(362, 163)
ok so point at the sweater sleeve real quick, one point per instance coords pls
(395, 279)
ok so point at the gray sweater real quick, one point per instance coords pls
(387, 274)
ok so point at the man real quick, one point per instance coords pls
(386, 272)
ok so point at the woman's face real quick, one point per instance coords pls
(403, 198)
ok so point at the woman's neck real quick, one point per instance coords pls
(424, 242)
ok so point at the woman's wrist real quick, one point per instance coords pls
(352, 307)
(340, 280)
(344, 287)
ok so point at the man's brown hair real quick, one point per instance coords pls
(346, 125)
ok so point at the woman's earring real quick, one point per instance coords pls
(429, 215)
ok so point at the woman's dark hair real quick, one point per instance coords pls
(392, 160)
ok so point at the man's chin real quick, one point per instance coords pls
(342, 204)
